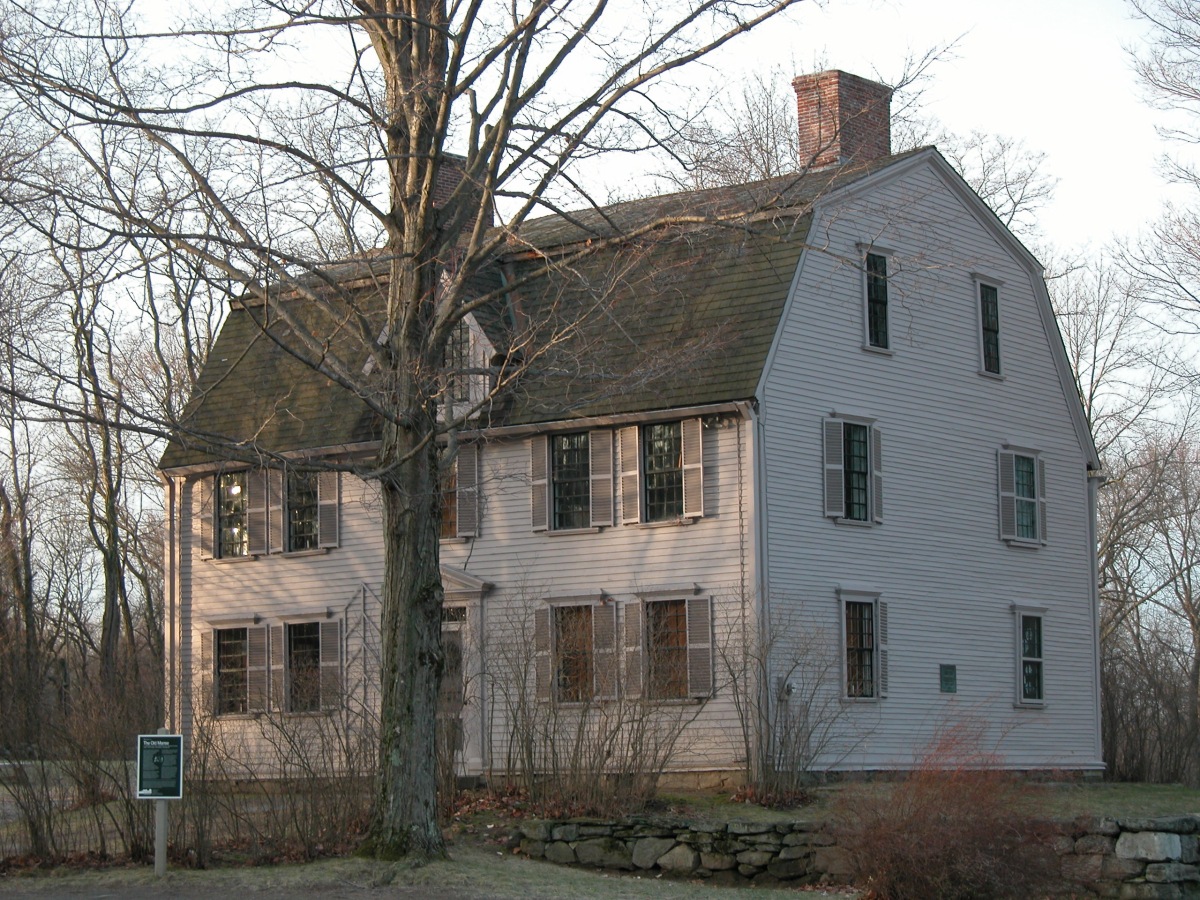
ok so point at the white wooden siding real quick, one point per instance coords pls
(936, 559)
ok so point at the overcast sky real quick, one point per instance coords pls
(1053, 73)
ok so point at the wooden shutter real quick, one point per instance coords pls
(835, 478)
(699, 638)
(693, 467)
(328, 484)
(207, 514)
(279, 701)
(256, 668)
(881, 632)
(635, 649)
(600, 468)
(276, 526)
(207, 700)
(877, 474)
(1007, 482)
(331, 664)
(256, 511)
(631, 507)
(541, 652)
(466, 494)
(539, 467)
(604, 649)
(1041, 489)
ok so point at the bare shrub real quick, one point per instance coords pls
(953, 828)
(588, 744)
(784, 682)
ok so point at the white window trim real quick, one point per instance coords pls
(847, 593)
(1019, 612)
(888, 254)
(977, 281)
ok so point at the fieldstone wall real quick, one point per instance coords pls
(1126, 859)
(1132, 859)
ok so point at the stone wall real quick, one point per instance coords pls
(1126, 859)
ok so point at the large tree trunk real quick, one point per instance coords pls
(405, 817)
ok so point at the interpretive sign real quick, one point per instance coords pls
(160, 767)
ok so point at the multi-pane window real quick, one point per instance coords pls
(233, 535)
(857, 478)
(989, 319)
(662, 467)
(667, 649)
(1022, 485)
(1031, 659)
(860, 649)
(232, 670)
(573, 653)
(1025, 481)
(853, 471)
(877, 301)
(570, 476)
(302, 521)
(304, 666)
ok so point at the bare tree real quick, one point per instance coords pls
(204, 142)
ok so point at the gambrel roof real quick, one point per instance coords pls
(652, 304)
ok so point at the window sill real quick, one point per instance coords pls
(668, 523)
(453, 540)
(1023, 543)
(239, 717)
(1029, 704)
(861, 701)
(555, 532)
(854, 523)
(995, 376)
(318, 551)
(880, 351)
(232, 560)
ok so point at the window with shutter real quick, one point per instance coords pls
(853, 470)
(570, 481)
(240, 670)
(303, 511)
(539, 479)
(232, 534)
(466, 498)
(601, 476)
(1021, 485)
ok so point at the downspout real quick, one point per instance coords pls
(1095, 479)
(170, 589)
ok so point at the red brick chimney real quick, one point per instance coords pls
(843, 118)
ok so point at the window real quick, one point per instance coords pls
(233, 670)
(459, 501)
(306, 666)
(575, 652)
(233, 535)
(572, 480)
(302, 506)
(853, 471)
(662, 472)
(259, 511)
(662, 467)
(877, 300)
(1022, 486)
(864, 642)
(668, 648)
(989, 322)
(458, 362)
(1030, 676)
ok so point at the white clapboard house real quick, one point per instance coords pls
(828, 427)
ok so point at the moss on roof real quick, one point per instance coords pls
(683, 314)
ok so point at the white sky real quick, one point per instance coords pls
(1053, 73)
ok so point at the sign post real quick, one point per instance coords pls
(160, 778)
